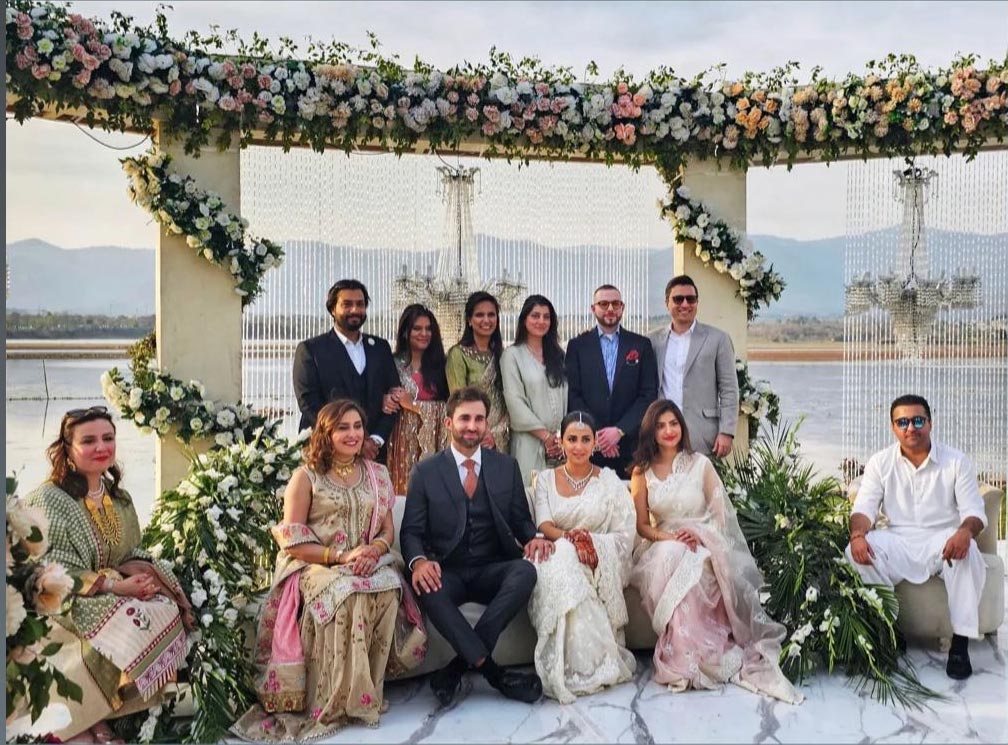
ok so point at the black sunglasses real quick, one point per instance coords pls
(93, 410)
(903, 422)
(680, 299)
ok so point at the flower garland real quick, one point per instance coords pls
(128, 75)
(181, 206)
(720, 246)
(795, 525)
(35, 590)
(756, 399)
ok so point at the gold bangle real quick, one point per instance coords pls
(857, 535)
(383, 542)
(325, 555)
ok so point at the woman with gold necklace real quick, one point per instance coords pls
(577, 607)
(122, 632)
(339, 614)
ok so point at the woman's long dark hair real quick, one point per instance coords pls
(63, 473)
(469, 337)
(647, 447)
(432, 361)
(553, 354)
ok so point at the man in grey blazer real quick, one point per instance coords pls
(696, 369)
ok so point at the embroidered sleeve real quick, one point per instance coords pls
(293, 534)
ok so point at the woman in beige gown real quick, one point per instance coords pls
(339, 614)
(535, 387)
(475, 360)
(577, 607)
(420, 399)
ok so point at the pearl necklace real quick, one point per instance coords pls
(97, 492)
(577, 484)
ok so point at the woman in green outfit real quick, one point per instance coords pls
(475, 360)
(122, 631)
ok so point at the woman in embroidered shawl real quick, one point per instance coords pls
(696, 577)
(475, 360)
(122, 631)
(420, 400)
(339, 614)
(577, 607)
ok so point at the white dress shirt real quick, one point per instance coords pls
(676, 352)
(460, 459)
(355, 349)
(940, 494)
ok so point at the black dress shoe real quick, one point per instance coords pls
(959, 667)
(445, 683)
(525, 687)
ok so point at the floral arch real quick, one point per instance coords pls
(203, 103)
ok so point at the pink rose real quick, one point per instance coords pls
(453, 97)
(190, 88)
(175, 87)
(21, 61)
(472, 99)
(90, 62)
(558, 105)
(471, 113)
(82, 78)
(542, 88)
(236, 81)
(41, 71)
(622, 88)
(79, 52)
(492, 113)
(488, 128)
(228, 68)
(265, 81)
(543, 104)
(24, 32)
(638, 99)
(248, 70)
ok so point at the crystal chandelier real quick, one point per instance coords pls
(911, 296)
(446, 289)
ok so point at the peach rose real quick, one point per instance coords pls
(50, 589)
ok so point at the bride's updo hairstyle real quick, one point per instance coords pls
(578, 417)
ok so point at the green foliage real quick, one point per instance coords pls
(795, 524)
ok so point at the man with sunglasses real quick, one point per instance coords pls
(611, 374)
(931, 498)
(696, 370)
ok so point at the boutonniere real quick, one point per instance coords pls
(632, 357)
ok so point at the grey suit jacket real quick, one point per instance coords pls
(710, 385)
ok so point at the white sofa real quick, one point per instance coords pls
(924, 608)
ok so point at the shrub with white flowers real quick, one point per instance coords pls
(796, 526)
(756, 399)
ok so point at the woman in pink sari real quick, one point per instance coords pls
(696, 577)
(339, 614)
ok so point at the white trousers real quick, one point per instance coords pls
(915, 556)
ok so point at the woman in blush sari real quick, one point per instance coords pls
(339, 614)
(696, 577)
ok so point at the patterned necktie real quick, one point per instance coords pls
(471, 480)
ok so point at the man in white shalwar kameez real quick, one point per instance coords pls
(930, 496)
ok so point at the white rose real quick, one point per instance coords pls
(811, 594)
(16, 613)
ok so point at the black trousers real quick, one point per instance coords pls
(503, 586)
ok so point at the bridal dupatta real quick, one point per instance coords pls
(280, 683)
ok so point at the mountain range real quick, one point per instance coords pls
(114, 280)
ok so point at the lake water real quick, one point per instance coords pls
(806, 389)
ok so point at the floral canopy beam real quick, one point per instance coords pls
(121, 76)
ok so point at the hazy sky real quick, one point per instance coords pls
(65, 188)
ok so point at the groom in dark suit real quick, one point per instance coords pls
(611, 374)
(464, 531)
(346, 363)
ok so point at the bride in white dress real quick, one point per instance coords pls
(577, 607)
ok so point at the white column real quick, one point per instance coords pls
(724, 192)
(198, 325)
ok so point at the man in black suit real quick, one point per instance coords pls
(345, 363)
(464, 532)
(611, 374)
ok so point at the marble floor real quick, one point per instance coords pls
(975, 710)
